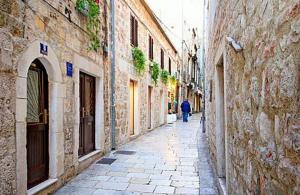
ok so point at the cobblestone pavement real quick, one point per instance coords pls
(166, 162)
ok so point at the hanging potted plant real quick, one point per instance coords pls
(164, 76)
(155, 71)
(138, 60)
(83, 6)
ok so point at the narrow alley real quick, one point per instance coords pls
(164, 161)
(93, 95)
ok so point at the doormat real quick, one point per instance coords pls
(125, 152)
(106, 161)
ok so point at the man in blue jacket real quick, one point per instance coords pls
(186, 109)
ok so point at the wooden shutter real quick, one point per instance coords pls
(170, 66)
(136, 32)
(131, 29)
(162, 57)
(150, 48)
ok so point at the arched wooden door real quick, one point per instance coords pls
(37, 125)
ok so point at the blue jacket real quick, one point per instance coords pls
(185, 106)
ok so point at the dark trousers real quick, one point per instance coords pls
(185, 116)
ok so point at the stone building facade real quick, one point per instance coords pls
(190, 69)
(252, 95)
(44, 59)
(140, 105)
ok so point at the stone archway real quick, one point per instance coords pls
(56, 137)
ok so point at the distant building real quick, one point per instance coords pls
(191, 85)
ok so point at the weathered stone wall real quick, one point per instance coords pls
(262, 94)
(125, 70)
(22, 23)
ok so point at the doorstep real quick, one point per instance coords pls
(89, 155)
(41, 186)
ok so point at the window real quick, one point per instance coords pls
(133, 31)
(150, 48)
(162, 59)
(210, 90)
(170, 66)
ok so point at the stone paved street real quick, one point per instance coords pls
(166, 162)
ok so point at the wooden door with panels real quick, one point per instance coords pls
(37, 135)
(87, 114)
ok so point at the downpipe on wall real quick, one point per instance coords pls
(113, 76)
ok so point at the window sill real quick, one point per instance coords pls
(41, 186)
(83, 158)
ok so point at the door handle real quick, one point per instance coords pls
(45, 116)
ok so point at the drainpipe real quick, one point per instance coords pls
(203, 63)
(113, 76)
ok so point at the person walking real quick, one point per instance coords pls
(186, 109)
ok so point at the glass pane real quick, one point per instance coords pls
(33, 97)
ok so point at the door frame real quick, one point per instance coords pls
(149, 112)
(82, 64)
(94, 102)
(162, 113)
(43, 104)
(136, 108)
(223, 164)
(56, 135)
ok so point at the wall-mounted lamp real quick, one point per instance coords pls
(237, 47)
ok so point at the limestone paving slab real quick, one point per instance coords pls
(141, 188)
(112, 186)
(164, 190)
(166, 162)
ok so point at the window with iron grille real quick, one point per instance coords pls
(133, 31)
(150, 48)
(162, 59)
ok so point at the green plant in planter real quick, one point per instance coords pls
(155, 71)
(164, 76)
(91, 9)
(83, 6)
(139, 60)
(173, 80)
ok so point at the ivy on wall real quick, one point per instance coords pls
(173, 80)
(91, 9)
(155, 71)
(164, 76)
(139, 60)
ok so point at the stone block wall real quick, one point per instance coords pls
(21, 24)
(262, 94)
(125, 70)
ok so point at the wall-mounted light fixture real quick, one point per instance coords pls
(237, 47)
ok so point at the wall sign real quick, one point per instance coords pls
(69, 69)
(43, 49)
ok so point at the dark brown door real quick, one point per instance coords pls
(87, 114)
(37, 125)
